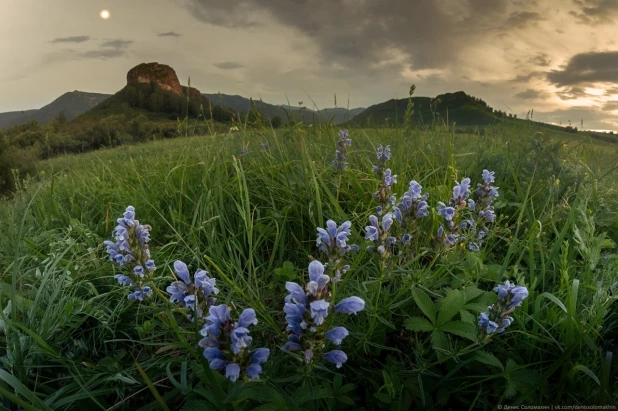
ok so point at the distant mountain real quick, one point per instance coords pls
(458, 107)
(243, 105)
(72, 104)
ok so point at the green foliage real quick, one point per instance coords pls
(73, 341)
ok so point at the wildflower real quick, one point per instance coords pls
(340, 161)
(186, 292)
(130, 251)
(379, 234)
(333, 241)
(496, 319)
(307, 314)
(244, 150)
(337, 357)
(226, 343)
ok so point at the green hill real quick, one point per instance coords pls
(270, 111)
(72, 104)
(458, 107)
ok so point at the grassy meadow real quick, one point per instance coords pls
(71, 340)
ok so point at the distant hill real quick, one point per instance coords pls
(243, 105)
(72, 104)
(458, 107)
(154, 91)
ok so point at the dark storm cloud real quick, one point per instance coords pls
(74, 39)
(530, 94)
(594, 12)
(586, 68)
(429, 34)
(117, 44)
(522, 19)
(228, 65)
(169, 34)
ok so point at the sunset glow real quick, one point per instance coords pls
(104, 14)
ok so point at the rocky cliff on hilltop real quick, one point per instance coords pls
(162, 75)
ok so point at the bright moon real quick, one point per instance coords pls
(104, 14)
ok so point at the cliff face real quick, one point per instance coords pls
(162, 75)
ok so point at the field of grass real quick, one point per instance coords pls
(71, 340)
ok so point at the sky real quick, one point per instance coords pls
(558, 57)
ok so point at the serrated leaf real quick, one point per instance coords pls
(423, 302)
(479, 308)
(511, 389)
(510, 365)
(344, 399)
(467, 317)
(439, 343)
(451, 304)
(471, 293)
(417, 324)
(461, 329)
(489, 359)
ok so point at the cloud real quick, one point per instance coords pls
(540, 60)
(74, 39)
(228, 65)
(523, 19)
(169, 34)
(595, 12)
(610, 106)
(427, 34)
(594, 118)
(572, 93)
(117, 44)
(525, 78)
(104, 54)
(586, 68)
(530, 94)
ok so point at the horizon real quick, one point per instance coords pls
(506, 52)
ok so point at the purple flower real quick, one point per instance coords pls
(461, 191)
(350, 305)
(336, 335)
(488, 176)
(297, 294)
(337, 357)
(123, 279)
(373, 231)
(447, 212)
(247, 318)
(486, 324)
(293, 343)
(319, 311)
(182, 271)
(232, 371)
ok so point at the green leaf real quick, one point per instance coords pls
(417, 324)
(461, 329)
(285, 272)
(555, 300)
(451, 304)
(424, 303)
(489, 359)
(586, 371)
(467, 317)
(471, 293)
(439, 342)
(479, 308)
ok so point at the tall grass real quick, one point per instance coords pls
(73, 341)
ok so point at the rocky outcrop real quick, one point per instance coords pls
(162, 75)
